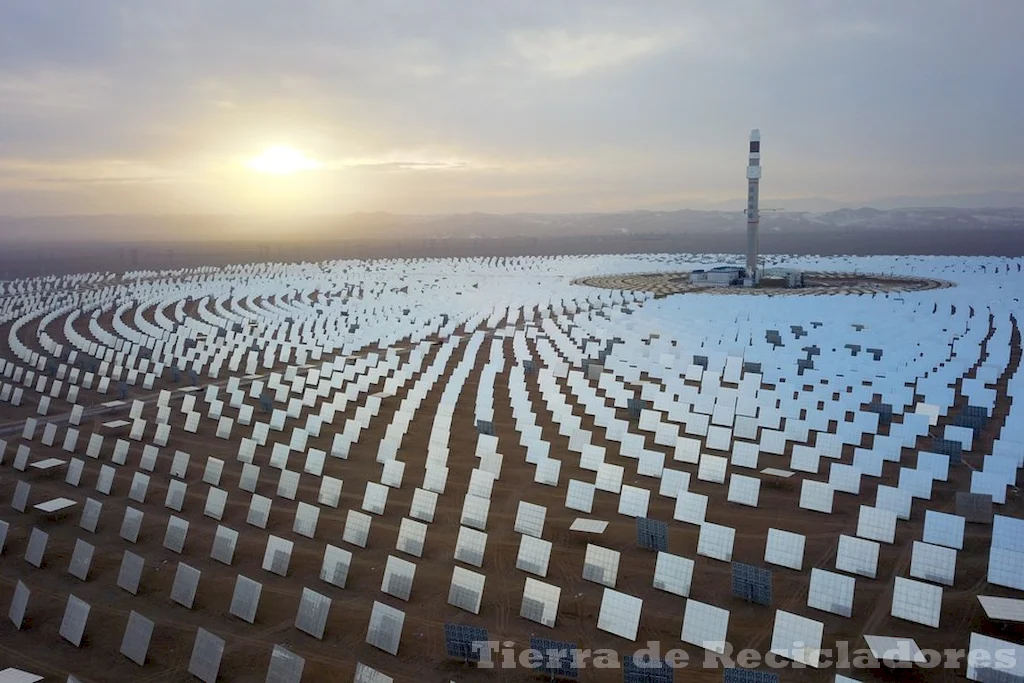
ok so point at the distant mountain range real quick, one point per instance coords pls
(386, 226)
(975, 200)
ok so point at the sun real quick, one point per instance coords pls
(281, 160)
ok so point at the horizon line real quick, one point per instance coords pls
(268, 215)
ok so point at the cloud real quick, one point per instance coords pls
(560, 53)
(410, 166)
(110, 180)
(562, 105)
(859, 28)
(50, 89)
(45, 175)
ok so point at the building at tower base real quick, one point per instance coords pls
(720, 276)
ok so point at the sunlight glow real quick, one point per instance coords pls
(281, 160)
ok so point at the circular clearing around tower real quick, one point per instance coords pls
(814, 283)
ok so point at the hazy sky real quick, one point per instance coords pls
(503, 105)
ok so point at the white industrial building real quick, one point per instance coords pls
(719, 276)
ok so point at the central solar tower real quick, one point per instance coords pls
(753, 217)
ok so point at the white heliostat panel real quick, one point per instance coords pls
(992, 660)
(590, 458)
(330, 492)
(745, 455)
(712, 468)
(673, 482)
(917, 482)
(579, 495)
(857, 556)
(492, 463)
(530, 519)
(375, 499)
(365, 674)
(357, 528)
(475, 511)
(278, 555)
(534, 555)
(466, 590)
(588, 526)
(705, 626)
(933, 563)
(895, 500)
(876, 525)
(797, 638)
(917, 602)
(424, 503)
(718, 438)
(481, 483)
(936, 464)
(805, 459)
(831, 592)
(336, 563)
(965, 435)
(817, 496)
(650, 464)
(673, 574)
(540, 602)
(1002, 609)
(868, 462)
(931, 412)
(687, 450)
(412, 537)
(609, 478)
(941, 528)
(844, 478)
(601, 565)
(775, 472)
(392, 474)
(385, 628)
(633, 501)
(620, 614)
(744, 490)
(1006, 558)
(470, 546)
(716, 541)
(547, 472)
(435, 478)
(12, 675)
(398, 578)
(785, 549)
(691, 508)
(991, 483)
(895, 649)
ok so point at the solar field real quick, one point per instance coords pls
(359, 470)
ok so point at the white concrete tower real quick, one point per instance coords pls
(753, 217)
